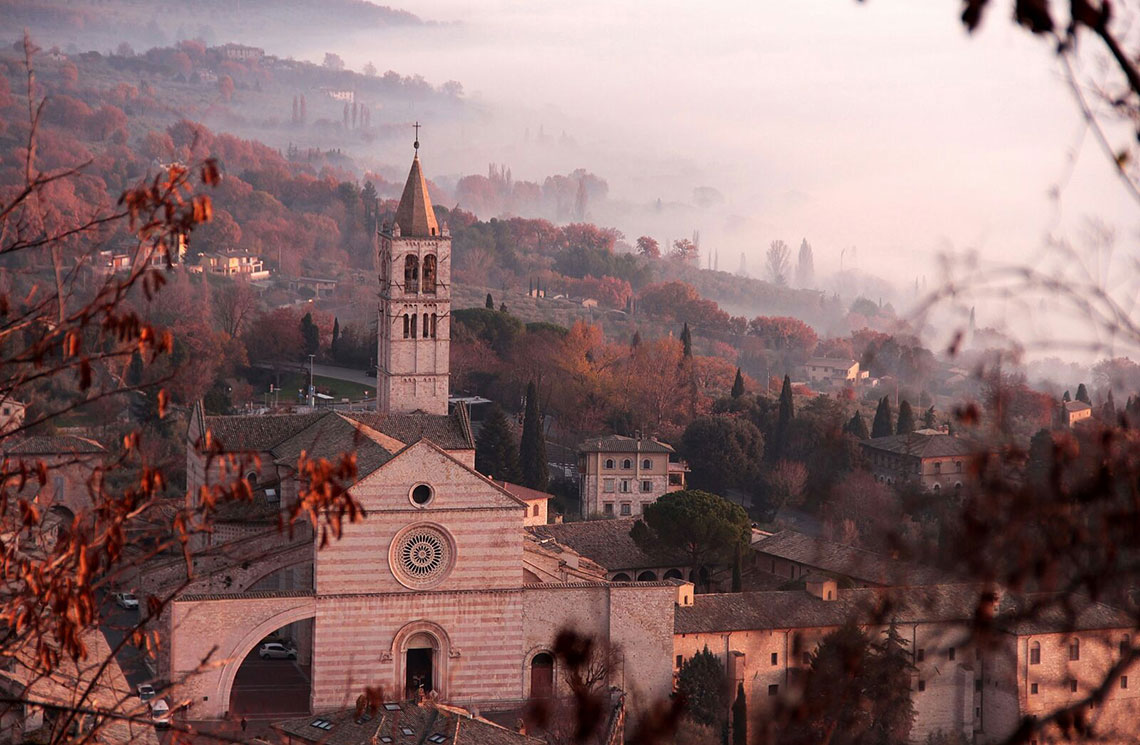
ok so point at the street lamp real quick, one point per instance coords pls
(312, 391)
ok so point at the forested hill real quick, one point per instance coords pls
(104, 24)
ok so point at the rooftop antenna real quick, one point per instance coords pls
(416, 144)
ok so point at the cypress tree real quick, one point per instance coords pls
(1108, 412)
(532, 451)
(1083, 394)
(490, 302)
(857, 426)
(1066, 398)
(738, 385)
(701, 681)
(906, 419)
(687, 340)
(888, 689)
(635, 342)
(335, 337)
(784, 418)
(740, 717)
(929, 420)
(502, 307)
(311, 334)
(881, 427)
(496, 454)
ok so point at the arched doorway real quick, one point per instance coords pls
(421, 650)
(419, 664)
(274, 678)
(542, 675)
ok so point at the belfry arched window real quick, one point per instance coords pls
(411, 274)
(427, 325)
(407, 325)
(413, 317)
(429, 280)
(433, 321)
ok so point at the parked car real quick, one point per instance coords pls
(276, 651)
(126, 600)
(160, 712)
(146, 691)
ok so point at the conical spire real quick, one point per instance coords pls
(415, 215)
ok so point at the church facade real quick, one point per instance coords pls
(440, 588)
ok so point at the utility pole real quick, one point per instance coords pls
(312, 391)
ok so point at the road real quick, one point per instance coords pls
(270, 689)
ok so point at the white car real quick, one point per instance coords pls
(160, 712)
(126, 600)
(276, 651)
(146, 691)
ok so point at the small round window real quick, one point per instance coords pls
(422, 494)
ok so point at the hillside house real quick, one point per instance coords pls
(935, 460)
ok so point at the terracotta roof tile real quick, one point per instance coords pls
(409, 724)
(257, 432)
(56, 445)
(848, 561)
(922, 445)
(622, 444)
(794, 609)
(608, 543)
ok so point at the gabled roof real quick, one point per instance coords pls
(523, 492)
(843, 560)
(265, 433)
(1076, 406)
(449, 431)
(608, 543)
(330, 437)
(415, 215)
(257, 433)
(55, 445)
(921, 445)
(622, 444)
(404, 723)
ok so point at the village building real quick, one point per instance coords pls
(537, 502)
(319, 287)
(12, 413)
(823, 370)
(439, 590)
(240, 52)
(41, 702)
(619, 475)
(234, 264)
(1073, 412)
(74, 464)
(981, 691)
(929, 458)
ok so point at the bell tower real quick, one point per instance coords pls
(415, 305)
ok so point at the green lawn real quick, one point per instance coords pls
(338, 389)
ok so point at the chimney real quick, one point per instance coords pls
(821, 587)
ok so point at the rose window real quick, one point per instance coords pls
(421, 556)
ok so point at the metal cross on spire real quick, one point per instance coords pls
(416, 144)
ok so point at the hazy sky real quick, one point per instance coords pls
(880, 125)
